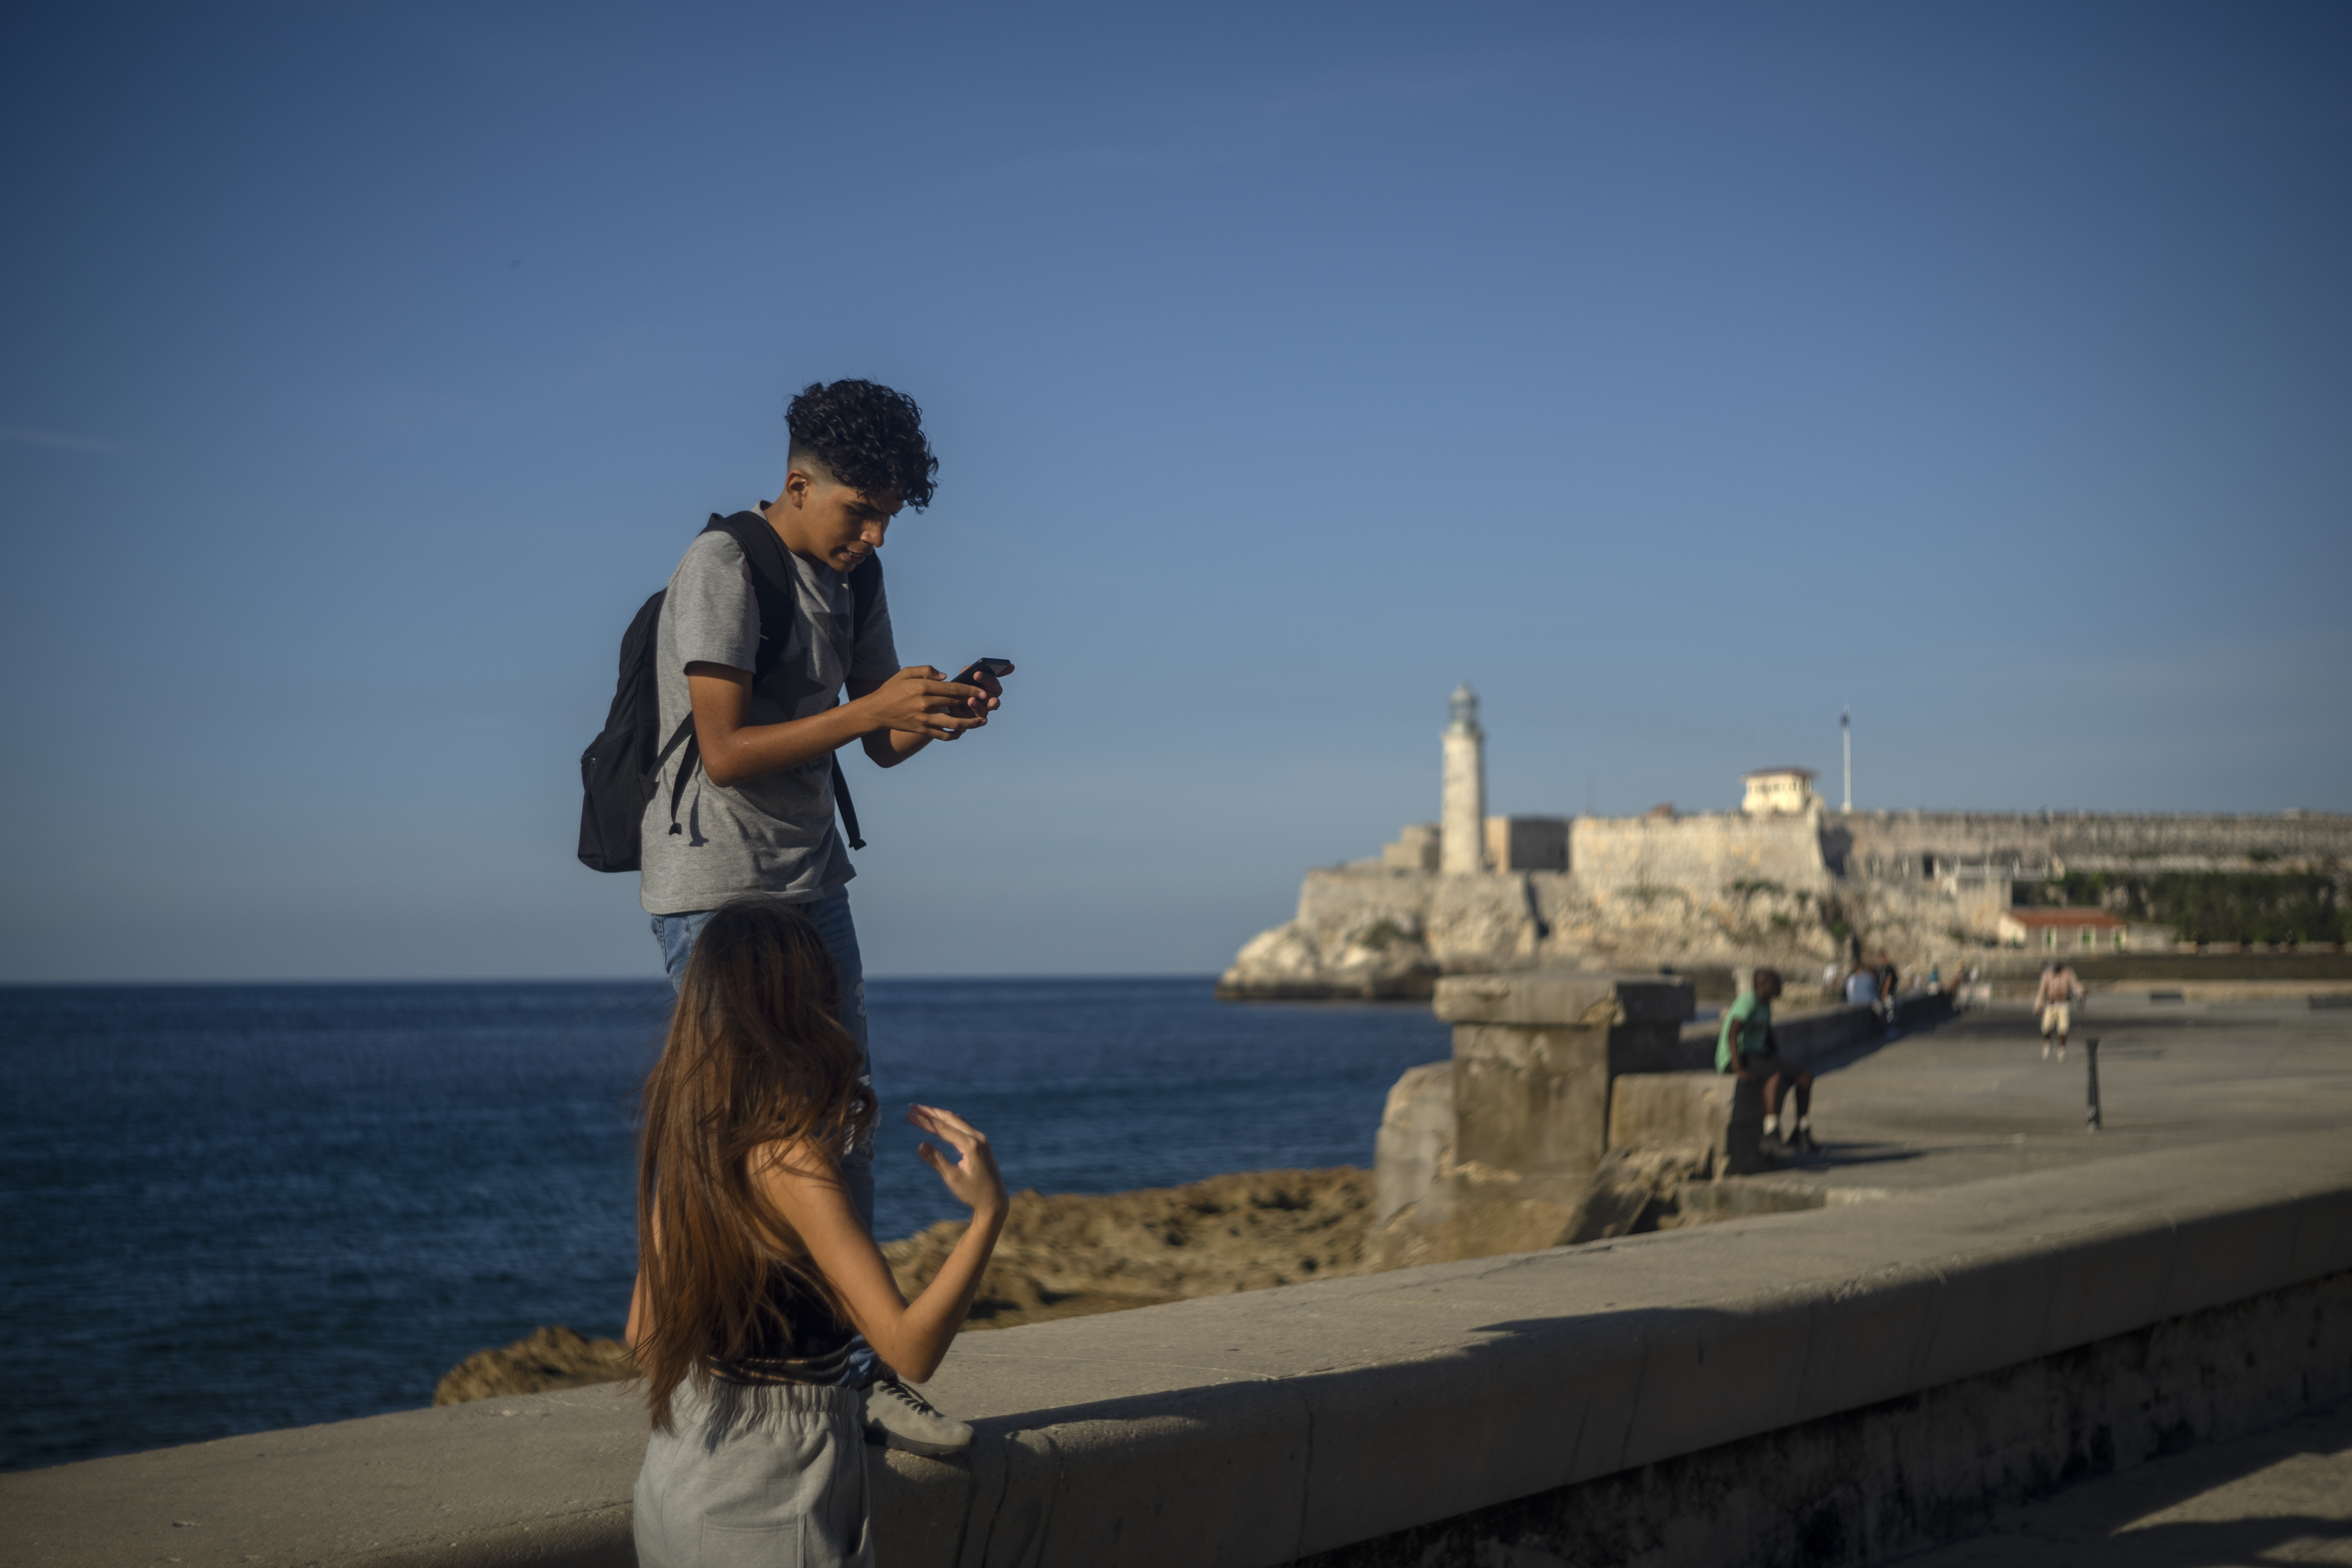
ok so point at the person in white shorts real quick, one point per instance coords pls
(2059, 993)
(760, 1289)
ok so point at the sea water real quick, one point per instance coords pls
(231, 1208)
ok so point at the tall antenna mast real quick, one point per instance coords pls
(1845, 733)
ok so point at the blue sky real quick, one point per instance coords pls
(1676, 375)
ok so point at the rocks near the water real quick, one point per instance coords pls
(1076, 1253)
(1059, 1256)
(548, 1359)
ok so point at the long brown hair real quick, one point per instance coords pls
(756, 1056)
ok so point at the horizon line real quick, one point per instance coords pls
(1208, 974)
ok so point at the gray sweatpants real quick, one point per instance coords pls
(770, 1474)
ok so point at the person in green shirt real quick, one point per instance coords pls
(1748, 1050)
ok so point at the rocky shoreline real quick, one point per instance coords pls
(539, 1363)
(1069, 1254)
(1061, 1257)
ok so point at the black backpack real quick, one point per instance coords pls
(620, 770)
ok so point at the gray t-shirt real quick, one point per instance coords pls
(773, 834)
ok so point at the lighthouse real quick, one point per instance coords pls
(1462, 837)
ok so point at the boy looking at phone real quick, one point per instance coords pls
(747, 807)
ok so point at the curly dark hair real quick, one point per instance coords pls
(868, 436)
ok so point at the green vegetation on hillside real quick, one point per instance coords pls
(2213, 906)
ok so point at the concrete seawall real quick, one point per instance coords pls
(1963, 1336)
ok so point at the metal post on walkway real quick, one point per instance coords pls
(2091, 1053)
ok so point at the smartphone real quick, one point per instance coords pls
(971, 673)
(970, 676)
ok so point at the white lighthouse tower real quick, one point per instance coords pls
(1462, 837)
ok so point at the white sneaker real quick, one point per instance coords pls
(2046, 1050)
(898, 1417)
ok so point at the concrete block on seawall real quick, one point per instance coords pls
(1710, 1111)
(1493, 1150)
(1674, 1108)
(1563, 997)
(1416, 1139)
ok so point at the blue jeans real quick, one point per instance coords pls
(830, 915)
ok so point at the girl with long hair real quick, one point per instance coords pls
(755, 1277)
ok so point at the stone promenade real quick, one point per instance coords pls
(1973, 1098)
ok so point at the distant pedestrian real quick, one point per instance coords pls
(1862, 988)
(756, 1273)
(1889, 979)
(1749, 1050)
(2058, 991)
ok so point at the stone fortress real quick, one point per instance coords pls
(1785, 879)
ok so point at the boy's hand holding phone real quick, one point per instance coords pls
(988, 674)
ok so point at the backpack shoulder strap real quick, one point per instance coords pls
(772, 583)
(760, 546)
(865, 587)
(771, 572)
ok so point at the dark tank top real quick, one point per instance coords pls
(812, 1344)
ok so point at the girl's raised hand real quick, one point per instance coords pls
(972, 1177)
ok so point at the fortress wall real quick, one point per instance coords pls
(1890, 1371)
(2128, 841)
(1338, 895)
(1704, 854)
(1708, 890)
(2097, 841)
